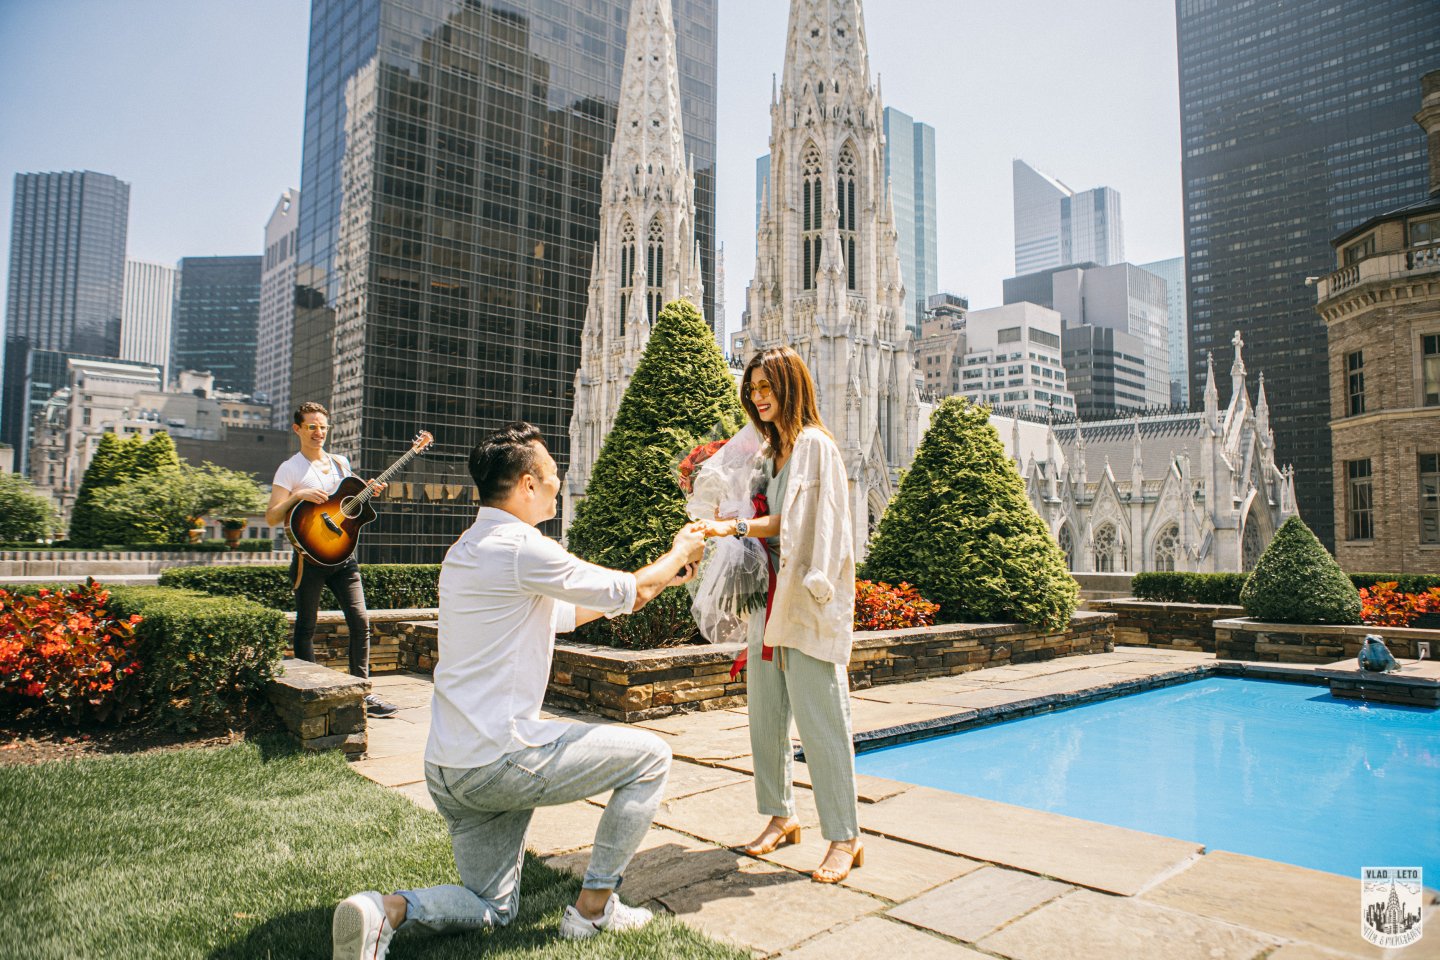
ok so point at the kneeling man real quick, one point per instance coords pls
(505, 591)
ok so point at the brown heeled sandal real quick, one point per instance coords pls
(789, 836)
(857, 859)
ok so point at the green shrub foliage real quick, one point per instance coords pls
(1404, 582)
(1217, 588)
(113, 463)
(1297, 581)
(681, 394)
(962, 530)
(201, 657)
(25, 515)
(388, 586)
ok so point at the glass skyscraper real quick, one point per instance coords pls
(910, 165)
(1295, 126)
(66, 286)
(451, 175)
(216, 319)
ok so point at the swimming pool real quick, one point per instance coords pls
(1276, 770)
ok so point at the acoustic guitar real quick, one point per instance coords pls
(327, 533)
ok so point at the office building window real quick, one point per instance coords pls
(1430, 498)
(1430, 368)
(1355, 382)
(1360, 250)
(1359, 497)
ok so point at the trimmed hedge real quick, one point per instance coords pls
(1224, 588)
(1297, 581)
(963, 532)
(201, 657)
(388, 586)
(1218, 588)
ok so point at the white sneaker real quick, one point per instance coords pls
(361, 930)
(616, 917)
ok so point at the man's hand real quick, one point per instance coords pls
(376, 486)
(312, 494)
(685, 575)
(690, 541)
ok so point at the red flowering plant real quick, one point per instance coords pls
(880, 606)
(1383, 606)
(67, 655)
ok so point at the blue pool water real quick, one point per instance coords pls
(1276, 770)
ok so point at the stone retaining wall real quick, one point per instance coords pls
(1246, 639)
(1178, 626)
(388, 630)
(69, 564)
(642, 684)
(323, 708)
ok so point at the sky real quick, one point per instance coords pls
(199, 105)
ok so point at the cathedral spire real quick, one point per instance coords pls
(648, 253)
(826, 56)
(1212, 395)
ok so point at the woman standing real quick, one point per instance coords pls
(799, 650)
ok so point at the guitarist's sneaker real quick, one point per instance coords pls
(376, 707)
(360, 929)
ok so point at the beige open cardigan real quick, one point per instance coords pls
(813, 609)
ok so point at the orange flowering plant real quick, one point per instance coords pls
(66, 654)
(1383, 606)
(879, 606)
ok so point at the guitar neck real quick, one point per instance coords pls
(394, 468)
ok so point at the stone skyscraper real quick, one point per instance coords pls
(275, 331)
(646, 255)
(827, 273)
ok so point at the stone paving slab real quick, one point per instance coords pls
(727, 815)
(989, 697)
(393, 736)
(689, 722)
(394, 770)
(875, 937)
(874, 715)
(979, 902)
(1263, 894)
(893, 870)
(418, 794)
(708, 746)
(666, 862)
(563, 829)
(1081, 852)
(868, 789)
(1092, 926)
(1306, 951)
(687, 779)
(1068, 682)
(918, 691)
(765, 907)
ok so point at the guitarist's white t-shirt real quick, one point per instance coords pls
(299, 473)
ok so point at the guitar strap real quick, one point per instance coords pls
(299, 570)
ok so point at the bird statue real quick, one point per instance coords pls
(1375, 657)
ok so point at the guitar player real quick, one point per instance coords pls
(314, 474)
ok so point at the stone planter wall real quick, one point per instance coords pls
(323, 708)
(642, 684)
(68, 565)
(1246, 639)
(1178, 626)
(1101, 586)
(387, 630)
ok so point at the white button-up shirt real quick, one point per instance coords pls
(506, 589)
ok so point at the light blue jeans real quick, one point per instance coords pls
(488, 809)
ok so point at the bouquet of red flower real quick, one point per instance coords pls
(692, 462)
(734, 574)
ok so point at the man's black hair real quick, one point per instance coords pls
(499, 461)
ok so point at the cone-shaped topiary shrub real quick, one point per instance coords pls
(113, 464)
(1297, 581)
(962, 530)
(681, 394)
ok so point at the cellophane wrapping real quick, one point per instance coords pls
(734, 573)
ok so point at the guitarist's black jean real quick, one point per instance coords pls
(344, 582)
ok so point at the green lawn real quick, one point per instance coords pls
(242, 852)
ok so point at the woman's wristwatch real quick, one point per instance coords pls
(742, 528)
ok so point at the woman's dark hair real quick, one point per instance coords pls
(499, 461)
(794, 397)
(309, 406)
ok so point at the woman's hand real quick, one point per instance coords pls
(719, 528)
